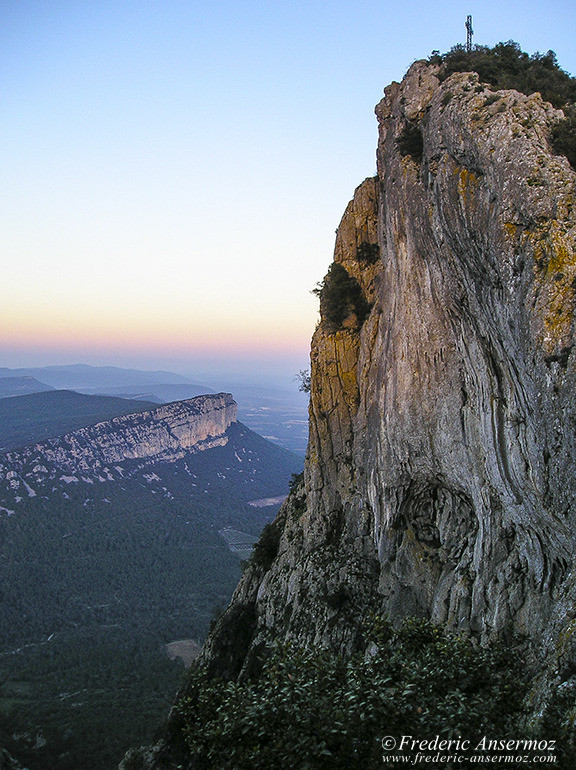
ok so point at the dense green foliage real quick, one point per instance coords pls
(368, 253)
(39, 416)
(312, 709)
(82, 699)
(341, 296)
(506, 66)
(266, 548)
(564, 135)
(86, 620)
(411, 142)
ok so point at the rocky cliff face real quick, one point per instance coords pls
(439, 476)
(98, 452)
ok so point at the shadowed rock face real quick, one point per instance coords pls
(439, 476)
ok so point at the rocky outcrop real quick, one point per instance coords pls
(439, 476)
(163, 434)
(439, 479)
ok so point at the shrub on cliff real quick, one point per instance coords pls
(368, 253)
(411, 142)
(266, 548)
(506, 66)
(563, 136)
(340, 296)
(313, 709)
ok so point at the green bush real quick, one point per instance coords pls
(506, 66)
(266, 548)
(313, 709)
(411, 142)
(340, 296)
(368, 253)
(563, 136)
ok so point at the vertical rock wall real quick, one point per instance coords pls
(440, 472)
(439, 479)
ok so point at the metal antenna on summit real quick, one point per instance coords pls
(469, 33)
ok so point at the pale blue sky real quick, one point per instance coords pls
(173, 172)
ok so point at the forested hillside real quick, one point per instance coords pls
(98, 576)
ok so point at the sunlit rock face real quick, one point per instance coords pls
(440, 471)
(91, 454)
(440, 474)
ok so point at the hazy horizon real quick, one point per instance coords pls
(260, 371)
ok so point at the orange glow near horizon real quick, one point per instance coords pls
(170, 331)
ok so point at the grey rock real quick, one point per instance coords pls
(439, 478)
(439, 475)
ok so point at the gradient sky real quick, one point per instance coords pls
(173, 172)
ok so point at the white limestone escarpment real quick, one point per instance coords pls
(440, 472)
(165, 433)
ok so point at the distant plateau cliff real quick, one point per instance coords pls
(97, 452)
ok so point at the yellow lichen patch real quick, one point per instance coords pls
(558, 320)
(555, 272)
(348, 381)
(562, 257)
(467, 186)
(346, 356)
(511, 228)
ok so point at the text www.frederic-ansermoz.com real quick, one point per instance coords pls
(408, 750)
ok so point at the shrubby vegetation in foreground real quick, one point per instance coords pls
(312, 709)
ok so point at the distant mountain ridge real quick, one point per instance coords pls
(93, 453)
(164, 392)
(18, 386)
(278, 414)
(81, 376)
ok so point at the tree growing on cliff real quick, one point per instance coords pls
(340, 296)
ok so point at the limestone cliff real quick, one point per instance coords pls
(439, 478)
(94, 453)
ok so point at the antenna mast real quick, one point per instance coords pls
(469, 33)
